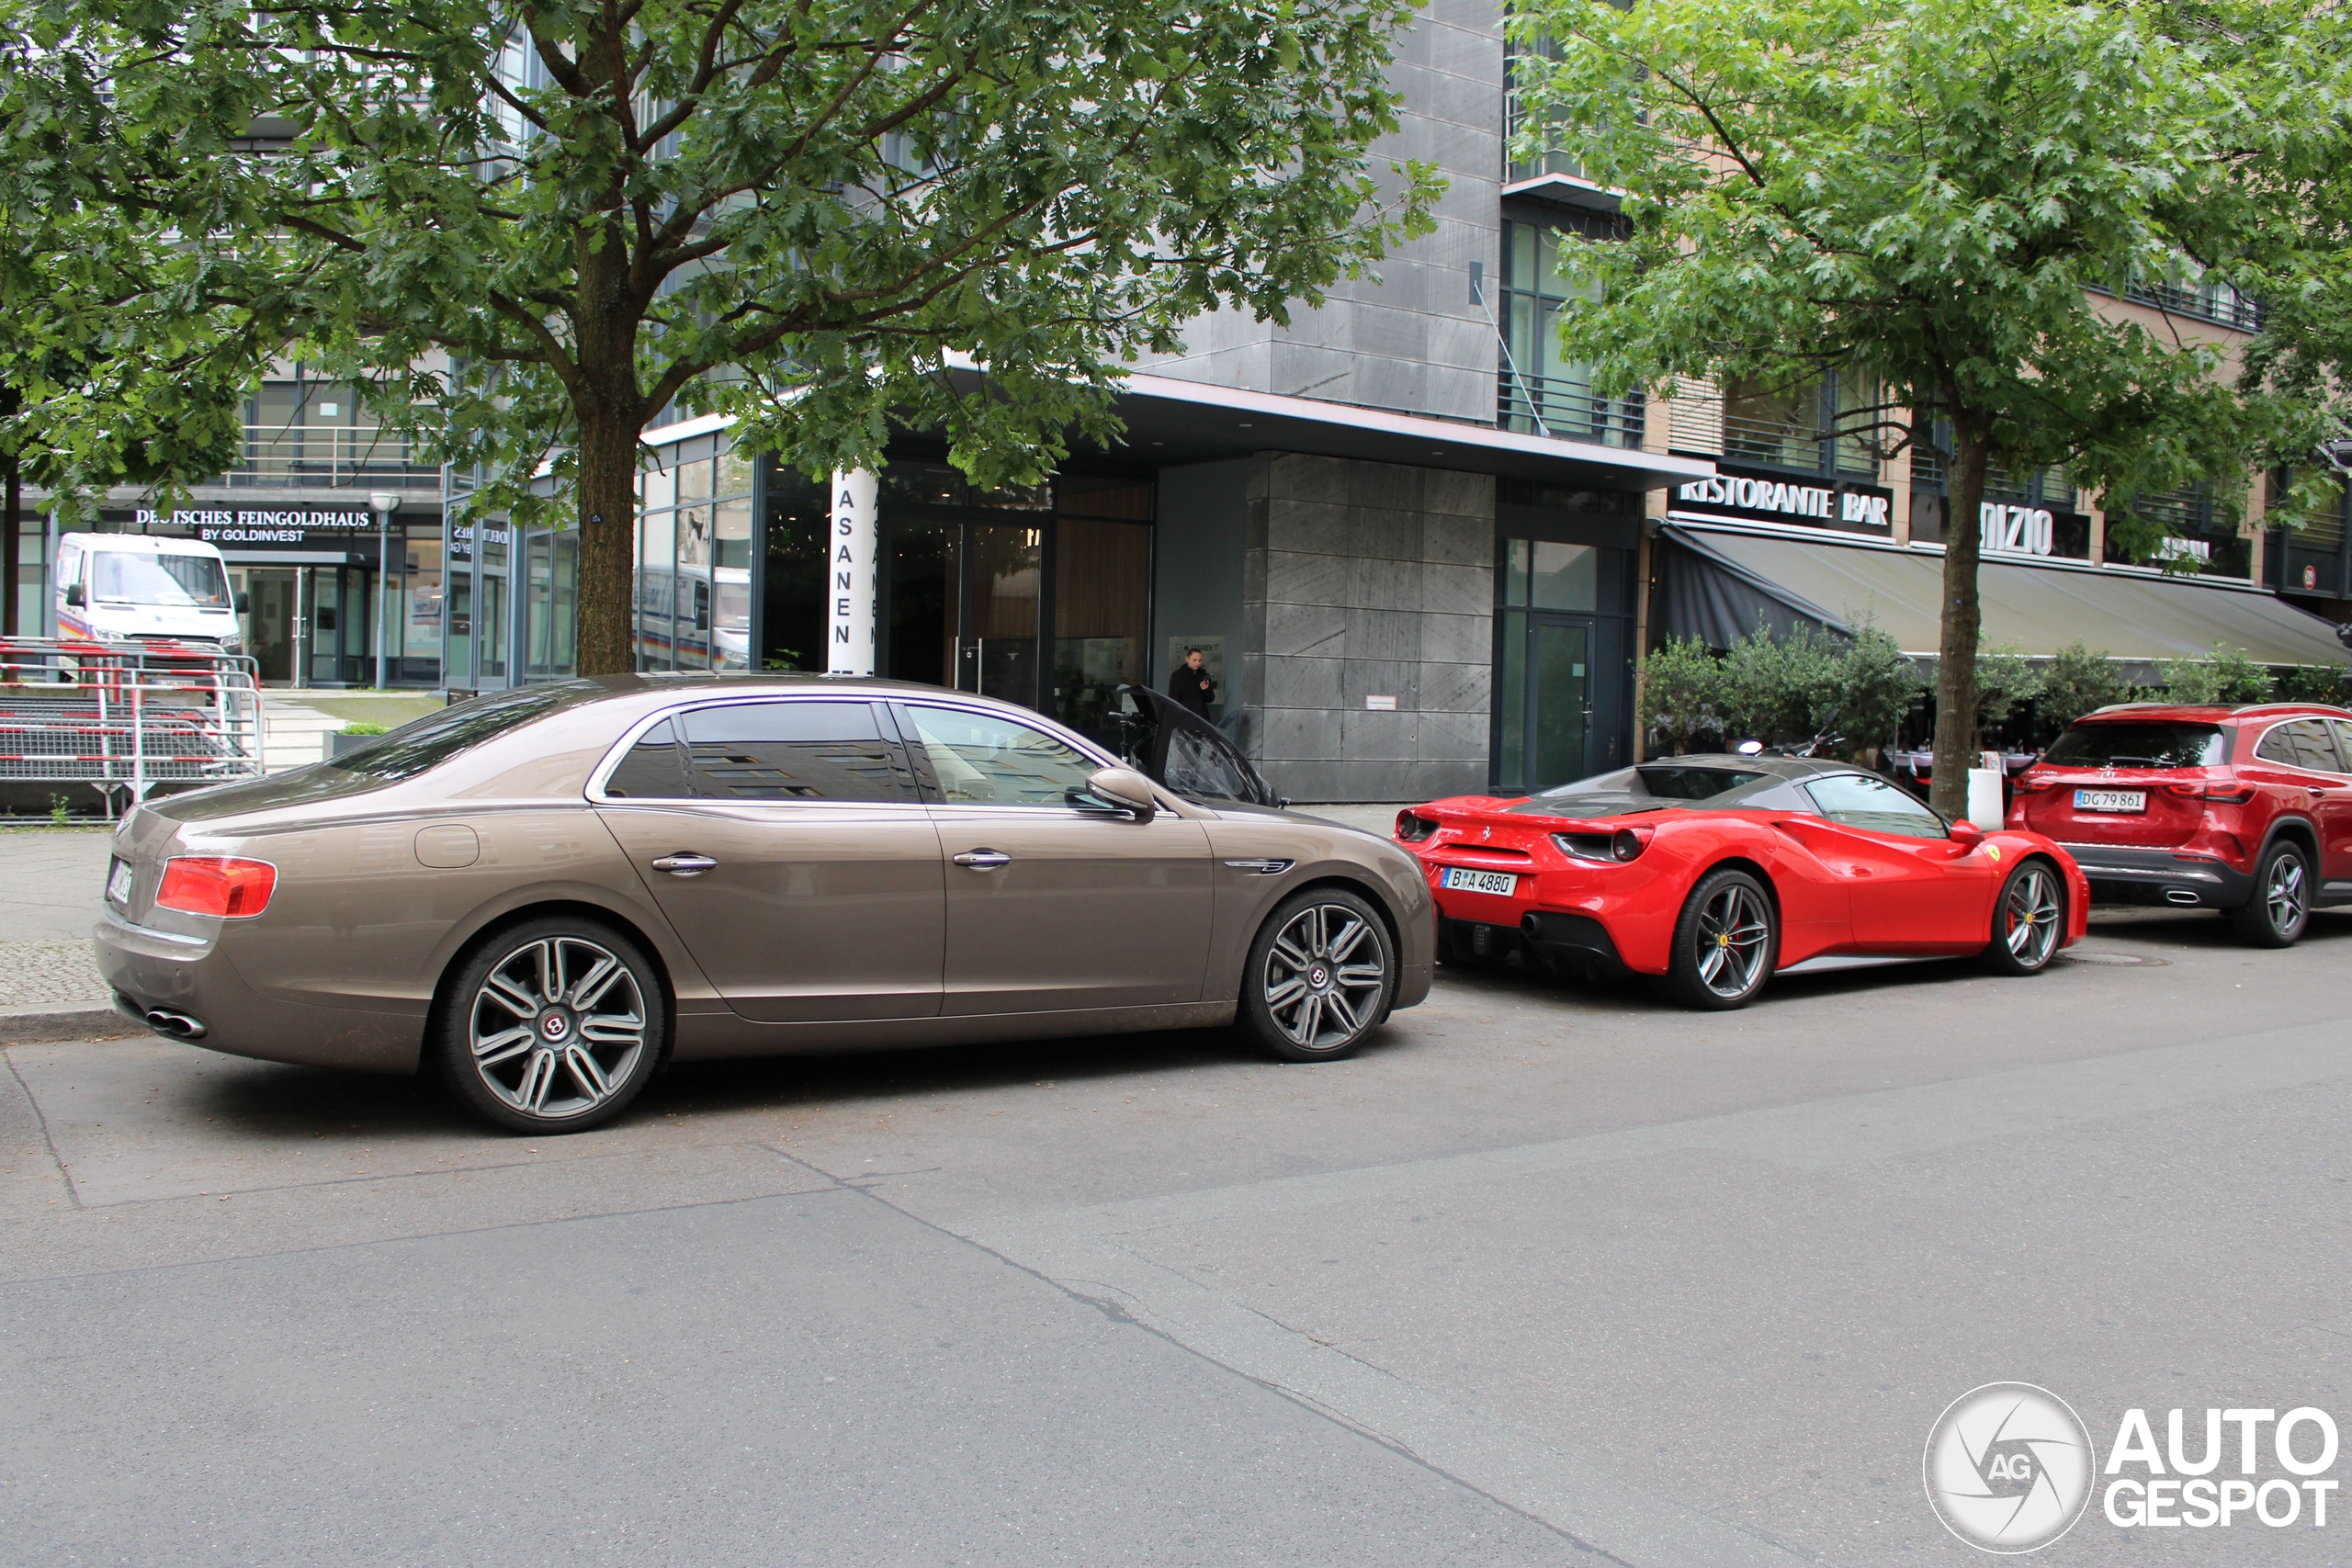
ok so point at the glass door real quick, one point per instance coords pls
(273, 622)
(962, 603)
(1546, 706)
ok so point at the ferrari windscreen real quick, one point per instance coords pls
(1651, 786)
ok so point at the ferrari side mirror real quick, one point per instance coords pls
(1966, 832)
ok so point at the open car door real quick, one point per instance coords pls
(1184, 752)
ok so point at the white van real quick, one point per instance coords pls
(134, 588)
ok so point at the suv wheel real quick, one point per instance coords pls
(2281, 905)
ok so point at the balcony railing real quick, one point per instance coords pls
(1534, 405)
(2215, 302)
(1701, 426)
(280, 457)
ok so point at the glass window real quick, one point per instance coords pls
(694, 480)
(2138, 746)
(794, 751)
(1670, 783)
(2342, 742)
(1101, 601)
(159, 578)
(431, 740)
(982, 759)
(653, 769)
(2302, 744)
(1856, 800)
(1566, 576)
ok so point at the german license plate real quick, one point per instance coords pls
(119, 882)
(1500, 882)
(2111, 800)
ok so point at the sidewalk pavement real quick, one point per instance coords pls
(50, 987)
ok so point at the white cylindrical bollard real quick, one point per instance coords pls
(1984, 797)
(856, 541)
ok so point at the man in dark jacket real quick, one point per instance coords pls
(1189, 683)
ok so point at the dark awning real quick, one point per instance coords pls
(1717, 582)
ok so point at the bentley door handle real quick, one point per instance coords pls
(984, 860)
(684, 865)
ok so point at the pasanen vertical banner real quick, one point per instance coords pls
(849, 599)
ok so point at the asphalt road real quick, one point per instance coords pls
(1550, 1274)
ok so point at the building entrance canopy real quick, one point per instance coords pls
(1718, 582)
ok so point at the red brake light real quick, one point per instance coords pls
(2029, 784)
(1412, 828)
(217, 884)
(2220, 792)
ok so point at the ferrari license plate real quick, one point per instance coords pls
(2111, 800)
(119, 882)
(1500, 882)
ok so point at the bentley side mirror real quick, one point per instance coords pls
(74, 595)
(1124, 788)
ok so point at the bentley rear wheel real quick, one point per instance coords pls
(1724, 943)
(553, 1027)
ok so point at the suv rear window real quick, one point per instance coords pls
(2138, 746)
(431, 740)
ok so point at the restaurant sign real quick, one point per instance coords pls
(1760, 497)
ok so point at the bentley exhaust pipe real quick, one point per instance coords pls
(178, 1025)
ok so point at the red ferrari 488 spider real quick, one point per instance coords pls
(1717, 873)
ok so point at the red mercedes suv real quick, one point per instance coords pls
(2243, 809)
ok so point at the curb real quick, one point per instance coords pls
(48, 1021)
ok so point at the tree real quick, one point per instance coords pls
(1681, 686)
(532, 228)
(2005, 679)
(1877, 682)
(2225, 675)
(2079, 681)
(1944, 194)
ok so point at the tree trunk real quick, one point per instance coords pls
(1956, 694)
(607, 527)
(12, 505)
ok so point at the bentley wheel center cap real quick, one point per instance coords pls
(1318, 976)
(555, 1025)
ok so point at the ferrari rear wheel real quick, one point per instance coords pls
(1724, 943)
(2029, 920)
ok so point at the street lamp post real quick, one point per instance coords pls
(383, 504)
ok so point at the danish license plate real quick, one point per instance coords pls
(1500, 882)
(119, 882)
(2111, 800)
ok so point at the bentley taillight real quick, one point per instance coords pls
(217, 884)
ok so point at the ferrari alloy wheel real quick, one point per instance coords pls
(553, 1027)
(1724, 943)
(1319, 977)
(2281, 905)
(2029, 920)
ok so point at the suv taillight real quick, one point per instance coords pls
(217, 884)
(2220, 793)
(2027, 784)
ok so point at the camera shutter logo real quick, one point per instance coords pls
(2009, 1467)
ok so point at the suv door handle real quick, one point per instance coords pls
(984, 860)
(684, 865)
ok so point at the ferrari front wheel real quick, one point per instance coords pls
(1724, 943)
(2029, 920)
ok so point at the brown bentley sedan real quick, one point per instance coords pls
(543, 895)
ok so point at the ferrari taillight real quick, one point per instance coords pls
(1411, 828)
(1627, 843)
(217, 884)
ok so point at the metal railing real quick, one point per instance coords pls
(2215, 302)
(1701, 426)
(125, 716)
(1534, 405)
(365, 456)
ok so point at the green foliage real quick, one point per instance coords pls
(2005, 679)
(1937, 195)
(1681, 692)
(1878, 682)
(530, 230)
(366, 728)
(2317, 684)
(2079, 681)
(2225, 675)
(58, 814)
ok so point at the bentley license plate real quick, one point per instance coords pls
(2111, 800)
(119, 882)
(1500, 882)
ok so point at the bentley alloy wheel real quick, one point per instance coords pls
(1320, 975)
(554, 1028)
